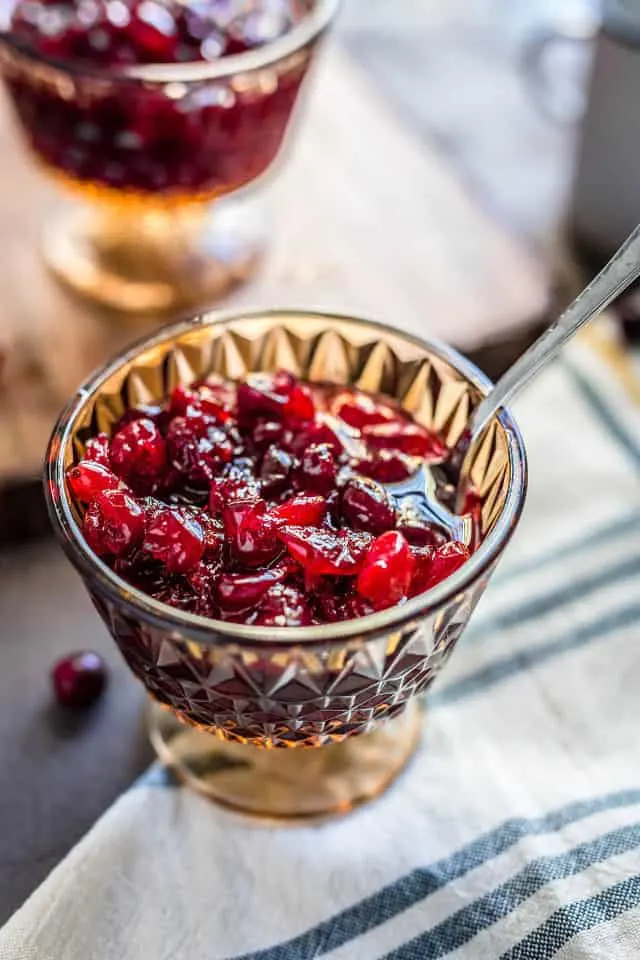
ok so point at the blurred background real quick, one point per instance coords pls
(441, 175)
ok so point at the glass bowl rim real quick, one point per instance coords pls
(309, 29)
(210, 632)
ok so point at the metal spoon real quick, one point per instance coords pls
(418, 496)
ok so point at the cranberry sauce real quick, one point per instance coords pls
(177, 140)
(263, 502)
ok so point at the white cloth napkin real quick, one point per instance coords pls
(514, 834)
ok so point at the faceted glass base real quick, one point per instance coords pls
(132, 258)
(295, 784)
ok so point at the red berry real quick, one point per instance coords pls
(114, 523)
(434, 566)
(386, 575)
(250, 532)
(409, 438)
(143, 412)
(302, 510)
(259, 396)
(89, 478)
(360, 410)
(175, 538)
(79, 679)
(235, 484)
(198, 447)
(264, 433)
(204, 399)
(275, 471)
(367, 506)
(323, 552)
(277, 395)
(177, 593)
(283, 605)
(318, 469)
(299, 405)
(213, 530)
(333, 605)
(320, 433)
(238, 592)
(97, 449)
(203, 580)
(138, 452)
(386, 466)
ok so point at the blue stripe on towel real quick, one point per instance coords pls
(604, 413)
(575, 918)
(462, 926)
(624, 524)
(410, 889)
(504, 667)
(547, 603)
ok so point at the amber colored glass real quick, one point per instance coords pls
(304, 721)
(144, 155)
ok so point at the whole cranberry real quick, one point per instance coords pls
(138, 452)
(234, 484)
(79, 679)
(360, 410)
(303, 510)
(409, 438)
(435, 565)
(323, 552)
(386, 466)
(388, 567)
(284, 605)
(198, 447)
(114, 523)
(366, 505)
(250, 532)
(318, 469)
(97, 449)
(204, 399)
(175, 538)
(142, 412)
(274, 394)
(275, 471)
(89, 478)
(243, 591)
(264, 433)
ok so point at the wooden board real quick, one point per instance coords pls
(366, 218)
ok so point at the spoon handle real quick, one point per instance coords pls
(619, 273)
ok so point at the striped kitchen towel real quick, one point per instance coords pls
(514, 834)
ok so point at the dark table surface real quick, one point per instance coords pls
(59, 773)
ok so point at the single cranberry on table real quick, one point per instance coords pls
(290, 532)
(79, 679)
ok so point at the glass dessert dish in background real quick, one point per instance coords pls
(146, 135)
(291, 722)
